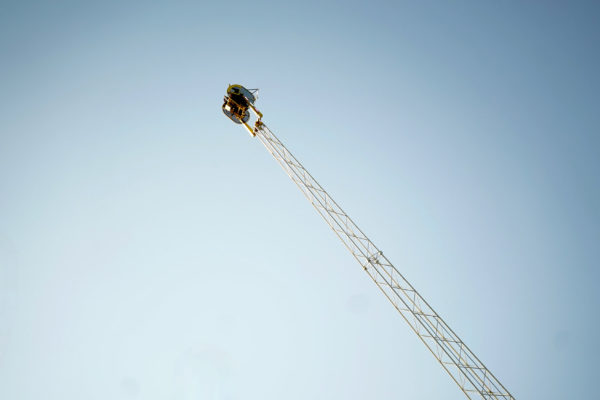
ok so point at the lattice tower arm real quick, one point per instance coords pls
(469, 373)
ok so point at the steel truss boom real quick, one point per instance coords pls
(471, 375)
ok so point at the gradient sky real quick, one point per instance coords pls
(151, 249)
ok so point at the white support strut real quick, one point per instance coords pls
(469, 373)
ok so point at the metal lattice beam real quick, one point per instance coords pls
(471, 375)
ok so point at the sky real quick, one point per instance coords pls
(152, 249)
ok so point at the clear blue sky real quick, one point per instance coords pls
(151, 249)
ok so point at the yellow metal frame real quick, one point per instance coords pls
(258, 122)
(258, 114)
